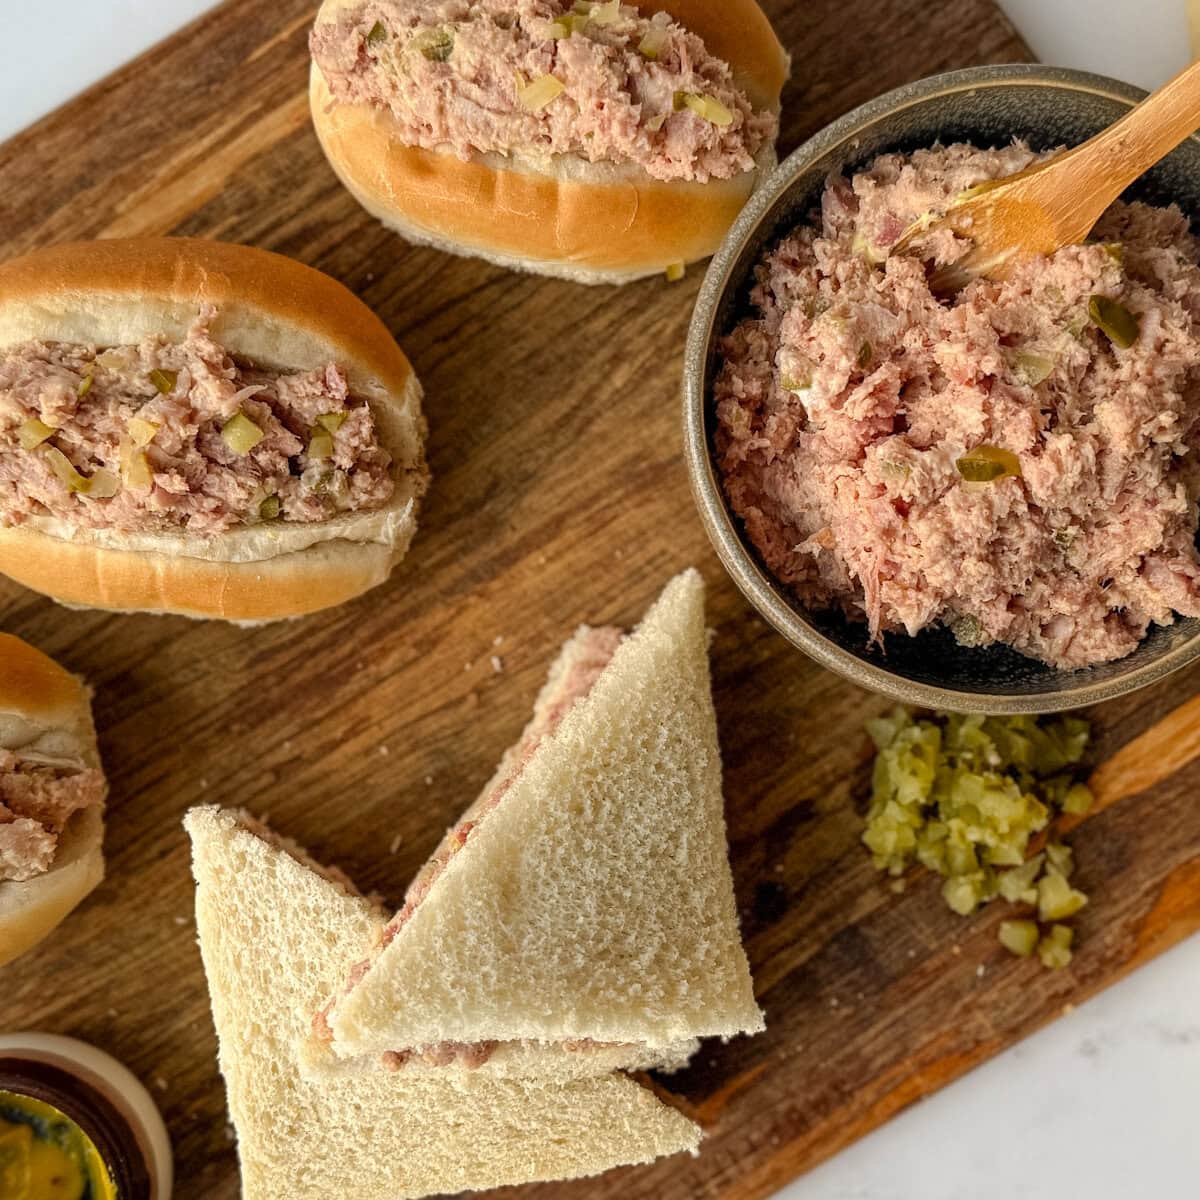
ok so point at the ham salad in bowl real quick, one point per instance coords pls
(988, 499)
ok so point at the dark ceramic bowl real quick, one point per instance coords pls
(987, 106)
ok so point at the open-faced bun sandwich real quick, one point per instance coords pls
(51, 796)
(201, 428)
(594, 141)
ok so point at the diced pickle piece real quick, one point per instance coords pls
(1020, 937)
(434, 44)
(164, 381)
(675, 272)
(241, 434)
(268, 510)
(1078, 800)
(320, 446)
(136, 470)
(962, 893)
(987, 463)
(883, 730)
(62, 466)
(1057, 899)
(536, 95)
(564, 27)
(332, 422)
(378, 33)
(1005, 855)
(1055, 948)
(141, 432)
(33, 433)
(1030, 368)
(708, 107)
(651, 45)
(1114, 320)
(1019, 884)
(1060, 859)
(85, 384)
(608, 13)
(102, 486)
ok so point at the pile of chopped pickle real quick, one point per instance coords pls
(967, 797)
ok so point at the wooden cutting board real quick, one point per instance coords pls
(559, 497)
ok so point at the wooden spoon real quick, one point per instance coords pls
(1056, 203)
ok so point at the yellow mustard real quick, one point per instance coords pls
(44, 1155)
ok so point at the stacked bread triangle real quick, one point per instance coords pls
(579, 921)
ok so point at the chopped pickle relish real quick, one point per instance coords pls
(965, 796)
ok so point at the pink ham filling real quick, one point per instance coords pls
(846, 400)
(450, 72)
(36, 802)
(193, 478)
(593, 655)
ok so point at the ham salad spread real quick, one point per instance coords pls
(596, 80)
(1017, 462)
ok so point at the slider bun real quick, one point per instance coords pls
(45, 712)
(562, 216)
(273, 312)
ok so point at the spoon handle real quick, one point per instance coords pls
(1118, 155)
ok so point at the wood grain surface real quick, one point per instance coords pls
(559, 496)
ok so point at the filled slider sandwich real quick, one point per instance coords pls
(598, 142)
(581, 914)
(276, 931)
(52, 793)
(200, 428)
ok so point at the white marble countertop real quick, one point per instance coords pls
(1104, 1103)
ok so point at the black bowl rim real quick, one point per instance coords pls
(766, 594)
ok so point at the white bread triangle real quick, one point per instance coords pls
(274, 934)
(317, 1056)
(596, 900)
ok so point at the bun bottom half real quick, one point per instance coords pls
(289, 585)
(31, 911)
(590, 223)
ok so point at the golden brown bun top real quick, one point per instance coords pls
(194, 272)
(36, 687)
(737, 31)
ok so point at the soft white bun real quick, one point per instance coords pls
(561, 216)
(274, 312)
(45, 713)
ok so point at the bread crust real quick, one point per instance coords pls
(589, 222)
(273, 311)
(45, 710)
(34, 687)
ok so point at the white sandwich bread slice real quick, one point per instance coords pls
(575, 670)
(587, 897)
(275, 931)
(46, 723)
